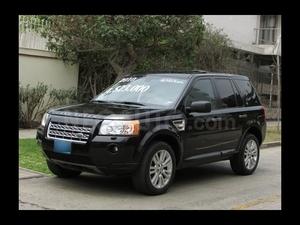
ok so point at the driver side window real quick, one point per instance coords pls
(202, 91)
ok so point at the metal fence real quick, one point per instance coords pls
(260, 79)
(29, 36)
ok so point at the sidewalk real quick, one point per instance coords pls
(208, 187)
(27, 133)
(27, 174)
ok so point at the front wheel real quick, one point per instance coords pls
(246, 160)
(157, 170)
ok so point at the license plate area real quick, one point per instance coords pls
(61, 146)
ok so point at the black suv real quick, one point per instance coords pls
(150, 125)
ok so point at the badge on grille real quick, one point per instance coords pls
(79, 135)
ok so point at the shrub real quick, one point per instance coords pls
(62, 97)
(34, 102)
(31, 101)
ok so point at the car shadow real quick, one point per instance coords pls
(202, 174)
(96, 184)
(121, 185)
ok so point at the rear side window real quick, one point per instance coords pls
(239, 99)
(247, 92)
(226, 93)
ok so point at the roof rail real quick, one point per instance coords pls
(178, 71)
(199, 71)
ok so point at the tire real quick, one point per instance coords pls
(62, 172)
(142, 177)
(238, 161)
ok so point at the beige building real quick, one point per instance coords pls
(258, 34)
(256, 40)
(37, 64)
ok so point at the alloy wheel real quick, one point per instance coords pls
(250, 154)
(161, 167)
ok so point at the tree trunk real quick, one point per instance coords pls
(125, 69)
(92, 86)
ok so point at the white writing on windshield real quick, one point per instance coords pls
(129, 88)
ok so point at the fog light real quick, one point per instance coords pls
(113, 148)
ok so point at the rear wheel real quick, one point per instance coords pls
(246, 160)
(157, 170)
(62, 172)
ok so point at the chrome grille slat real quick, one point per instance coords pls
(69, 132)
(66, 134)
(71, 128)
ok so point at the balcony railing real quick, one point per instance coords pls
(28, 33)
(266, 36)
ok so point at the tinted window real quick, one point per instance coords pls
(202, 91)
(247, 92)
(239, 99)
(227, 96)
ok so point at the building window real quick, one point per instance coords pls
(268, 29)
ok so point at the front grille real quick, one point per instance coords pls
(69, 132)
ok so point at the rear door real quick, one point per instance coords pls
(252, 112)
(230, 114)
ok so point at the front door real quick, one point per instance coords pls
(202, 134)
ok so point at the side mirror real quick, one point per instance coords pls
(200, 106)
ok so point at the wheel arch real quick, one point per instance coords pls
(167, 136)
(256, 131)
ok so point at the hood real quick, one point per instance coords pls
(108, 111)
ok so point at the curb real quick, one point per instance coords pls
(36, 172)
(271, 144)
(27, 133)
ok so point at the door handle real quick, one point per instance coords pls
(243, 116)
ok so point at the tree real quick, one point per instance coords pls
(215, 51)
(108, 47)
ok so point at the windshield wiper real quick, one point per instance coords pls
(117, 102)
(101, 101)
(129, 103)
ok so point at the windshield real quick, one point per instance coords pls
(149, 90)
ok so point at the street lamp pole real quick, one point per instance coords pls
(277, 52)
(278, 92)
(271, 89)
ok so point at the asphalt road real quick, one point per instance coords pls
(211, 186)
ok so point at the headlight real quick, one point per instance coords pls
(117, 127)
(44, 120)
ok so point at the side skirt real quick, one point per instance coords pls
(207, 158)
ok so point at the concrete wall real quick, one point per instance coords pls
(42, 66)
(239, 28)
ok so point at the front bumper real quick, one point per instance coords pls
(97, 155)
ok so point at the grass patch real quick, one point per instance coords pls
(272, 134)
(31, 157)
